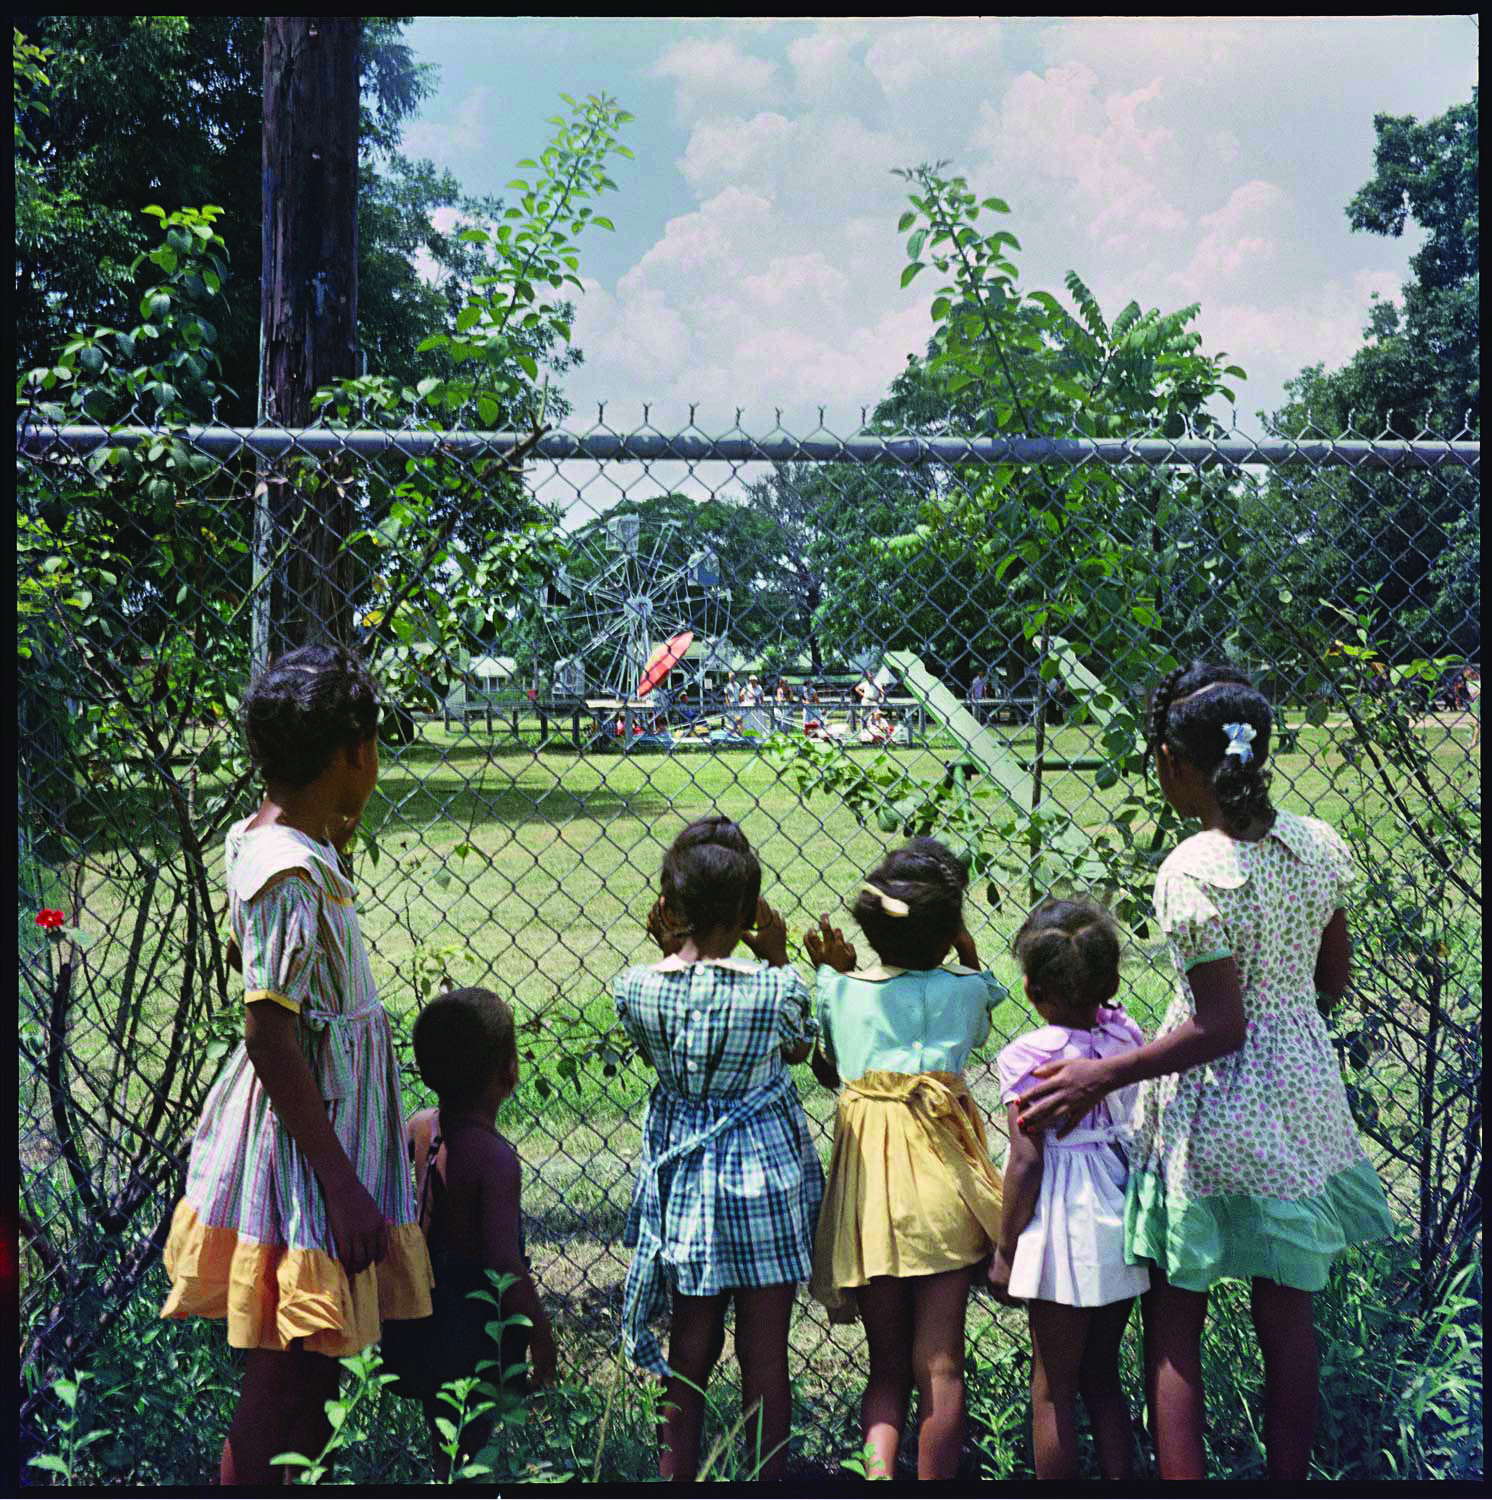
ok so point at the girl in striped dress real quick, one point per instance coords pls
(729, 1187)
(298, 1224)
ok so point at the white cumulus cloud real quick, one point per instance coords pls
(712, 75)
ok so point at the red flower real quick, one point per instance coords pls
(49, 919)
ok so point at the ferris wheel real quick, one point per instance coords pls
(625, 594)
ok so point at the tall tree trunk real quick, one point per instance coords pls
(308, 315)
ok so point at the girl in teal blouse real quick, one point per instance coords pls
(912, 1202)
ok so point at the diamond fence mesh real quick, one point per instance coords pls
(885, 634)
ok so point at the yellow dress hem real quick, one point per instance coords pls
(271, 1296)
(911, 1190)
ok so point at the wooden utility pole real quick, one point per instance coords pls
(308, 318)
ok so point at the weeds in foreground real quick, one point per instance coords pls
(1401, 1386)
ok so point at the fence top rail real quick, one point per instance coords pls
(691, 448)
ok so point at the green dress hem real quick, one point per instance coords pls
(1200, 1241)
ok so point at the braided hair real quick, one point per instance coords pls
(1187, 712)
(926, 879)
(710, 877)
(1069, 952)
(303, 708)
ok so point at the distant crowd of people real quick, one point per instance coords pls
(878, 725)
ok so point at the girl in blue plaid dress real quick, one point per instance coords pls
(730, 1184)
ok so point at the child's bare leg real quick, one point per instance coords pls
(281, 1409)
(886, 1308)
(695, 1341)
(763, 1314)
(939, 1304)
(1286, 1332)
(1103, 1395)
(1173, 1370)
(1059, 1335)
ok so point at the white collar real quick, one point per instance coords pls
(673, 963)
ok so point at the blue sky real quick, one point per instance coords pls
(755, 261)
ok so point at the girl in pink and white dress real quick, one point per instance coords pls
(1061, 1249)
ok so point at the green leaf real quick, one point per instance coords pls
(52, 1464)
(488, 411)
(910, 272)
(996, 205)
(906, 221)
(474, 237)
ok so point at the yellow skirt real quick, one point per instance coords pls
(272, 1296)
(911, 1188)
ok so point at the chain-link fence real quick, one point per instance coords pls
(849, 640)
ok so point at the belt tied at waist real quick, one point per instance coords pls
(1100, 1135)
(945, 1111)
(736, 1110)
(939, 1094)
(335, 1071)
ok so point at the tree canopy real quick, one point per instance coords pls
(1413, 538)
(169, 110)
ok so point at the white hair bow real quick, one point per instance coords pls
(1240, 738)
(889, 904)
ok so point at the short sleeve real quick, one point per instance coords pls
(279, 943)
(1189, 919)
(621, 994)
(995, 995)
(824, 984)
(1013, 1068)
(796, 1022)
(1340, 863)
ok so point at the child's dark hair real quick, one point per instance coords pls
(1189, 721)
(1069, 951)
(461, 1039)
(710, 877)
(303, 708)
(912, 904)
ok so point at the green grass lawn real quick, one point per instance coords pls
(531, 869)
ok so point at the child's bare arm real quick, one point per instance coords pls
(502, 1251)
(1334, 960)
(1021, 1192)
(662, 931)
(828, 946)
(359, 1230)
(824, 1070)
(769, 939)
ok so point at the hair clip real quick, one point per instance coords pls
(1240, 737)
(889, 904)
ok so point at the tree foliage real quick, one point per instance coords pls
(1414, 538)
(130, 110)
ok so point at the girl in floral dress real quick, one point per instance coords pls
(1246, 1165)
(298, 1222)
(730, 1183)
